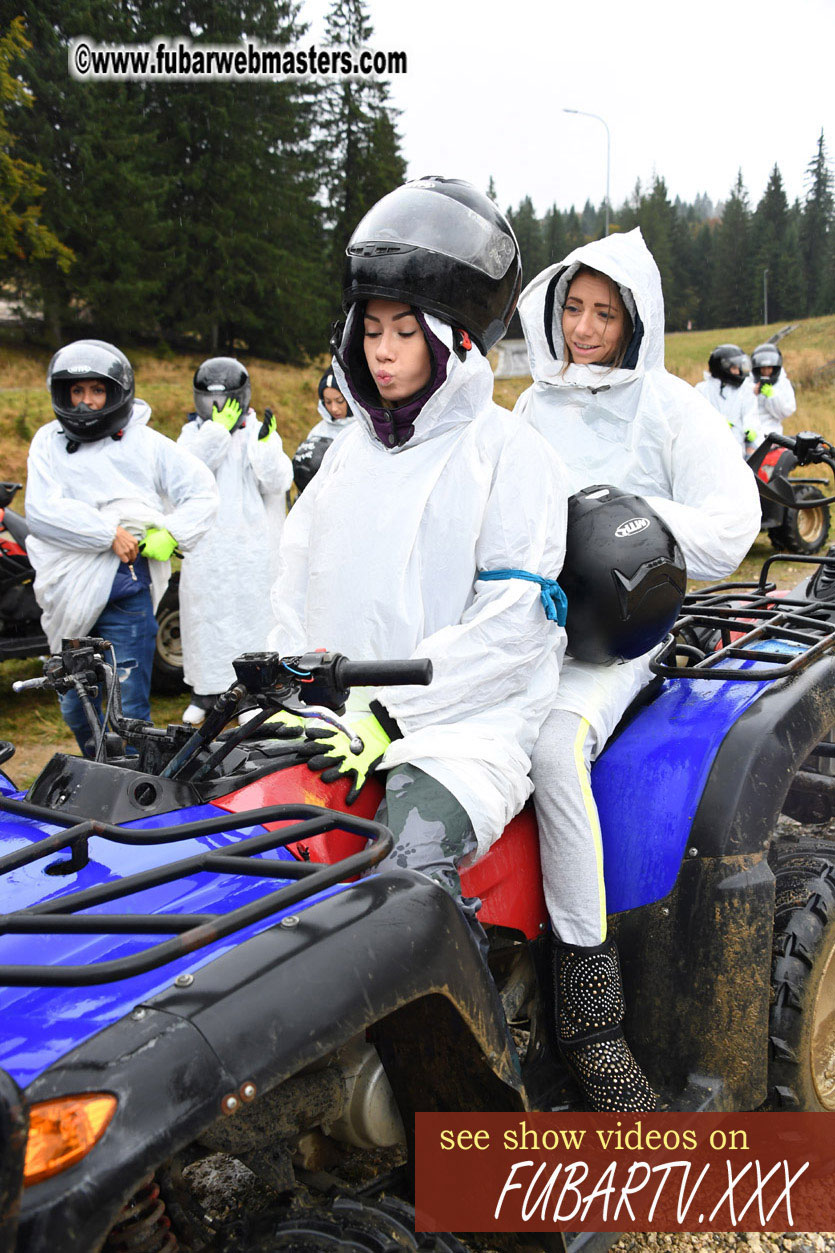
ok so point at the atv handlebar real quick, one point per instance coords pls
(264, 682)
(27, 685)
(807, 448)
(382, 673)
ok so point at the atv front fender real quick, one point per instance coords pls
(390, 953)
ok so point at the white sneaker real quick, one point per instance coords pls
(194, 715)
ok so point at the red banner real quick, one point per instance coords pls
(625, 1172)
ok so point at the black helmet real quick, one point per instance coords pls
(220, 379)
(90, 359)
(308, 459)
(766, 354)
(722, 358)
(624, 575)
(443, 246)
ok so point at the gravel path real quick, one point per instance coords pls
(744, 1242)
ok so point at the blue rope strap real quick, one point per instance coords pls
(551, 594)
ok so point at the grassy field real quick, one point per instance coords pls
(33, 722)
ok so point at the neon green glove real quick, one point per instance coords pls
(751, 436)
(766, 389)
(339, 760)
(228, 415)
(158, 544)
(286, 726)
(268, 425)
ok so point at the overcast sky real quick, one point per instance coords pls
(690, 91)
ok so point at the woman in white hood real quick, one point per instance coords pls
(594, 326)
(389, 552)
(334, 417)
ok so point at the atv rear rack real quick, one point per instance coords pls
(724, 626)
(190, 931)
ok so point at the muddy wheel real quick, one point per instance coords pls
(351, 1225)
(802, 1021)
(167, 672)
(803, 530)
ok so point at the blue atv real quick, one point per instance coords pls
(200, 954)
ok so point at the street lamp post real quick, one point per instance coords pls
(598, 118)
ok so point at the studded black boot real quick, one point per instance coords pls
(590, 1014)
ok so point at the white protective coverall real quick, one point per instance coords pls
(74, 502)
(379, 561)
(645, 431)
(226, 580)
(738, 406)
(773, 410)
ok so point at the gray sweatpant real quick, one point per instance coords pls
(569, 829)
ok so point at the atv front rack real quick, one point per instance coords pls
(725, 626)
(190, 932)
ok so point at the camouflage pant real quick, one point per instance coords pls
(432, 832)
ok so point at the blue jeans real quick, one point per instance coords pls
(131, 627)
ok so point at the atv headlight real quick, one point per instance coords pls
(63, 1131)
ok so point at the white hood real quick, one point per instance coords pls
(639, 428)
(466, 390)
(628, 261)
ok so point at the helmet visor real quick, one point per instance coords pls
(767, 355)
(408, 218)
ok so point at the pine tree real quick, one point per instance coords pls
(574, 236)
(772, 259)
(526, 228)
(732, 267)
(554, 237)
(704, 314)
(23, 234)
(359, 140)
(100, 198)
(244, 271)
(816, 228)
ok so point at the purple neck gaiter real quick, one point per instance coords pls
(394, 427)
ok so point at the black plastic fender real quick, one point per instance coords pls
(391, 952)
(697, 965)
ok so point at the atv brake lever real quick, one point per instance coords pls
(327, 715)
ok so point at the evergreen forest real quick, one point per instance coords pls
(214, 216)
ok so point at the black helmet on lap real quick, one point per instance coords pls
(220, 379)
(90, 359)
(722, 358)
(440, 245)
(624, 575)
(308, 459)
(766, 355)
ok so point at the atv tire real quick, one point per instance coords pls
(167, 671)
(801, 1045)
(803, 530)
(352, 1225)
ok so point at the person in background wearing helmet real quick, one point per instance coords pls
(226, 578)
(774, 392)
(435, 528)
(107, 502)
(335, 417)
(727, 385)
(594, 326)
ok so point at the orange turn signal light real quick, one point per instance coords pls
(61, 1132)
